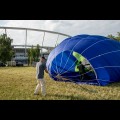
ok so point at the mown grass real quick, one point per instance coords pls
(18, 83)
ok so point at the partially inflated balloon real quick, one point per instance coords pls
(99, 55)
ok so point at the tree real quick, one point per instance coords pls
(37, 50)
(115, 37)
(28, 53)
(33, 54)
(6, 51)
(111, 36)
(118, 37)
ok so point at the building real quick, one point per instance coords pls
(21, 55)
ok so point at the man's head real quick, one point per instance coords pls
(42, 59)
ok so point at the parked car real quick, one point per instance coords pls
(19, 64)
(2, 64)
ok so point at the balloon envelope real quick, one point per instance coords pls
(100, 56)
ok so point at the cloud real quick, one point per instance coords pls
(99, 27)
(70, 27)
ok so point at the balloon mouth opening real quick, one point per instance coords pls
(65, 67)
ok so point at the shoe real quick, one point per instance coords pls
(44, 95)
(36, 93)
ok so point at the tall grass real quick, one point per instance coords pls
(18, 83)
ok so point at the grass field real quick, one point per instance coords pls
(18, 83)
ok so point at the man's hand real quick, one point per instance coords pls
(46, 70)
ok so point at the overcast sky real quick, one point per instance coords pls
(70, 27)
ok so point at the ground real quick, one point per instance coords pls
(18, 83)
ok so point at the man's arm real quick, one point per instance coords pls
(37, 70)
(46, 70)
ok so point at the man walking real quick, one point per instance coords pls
(40, 68)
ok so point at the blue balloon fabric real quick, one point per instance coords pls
(101, 52)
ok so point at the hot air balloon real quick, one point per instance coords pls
(99, 55)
